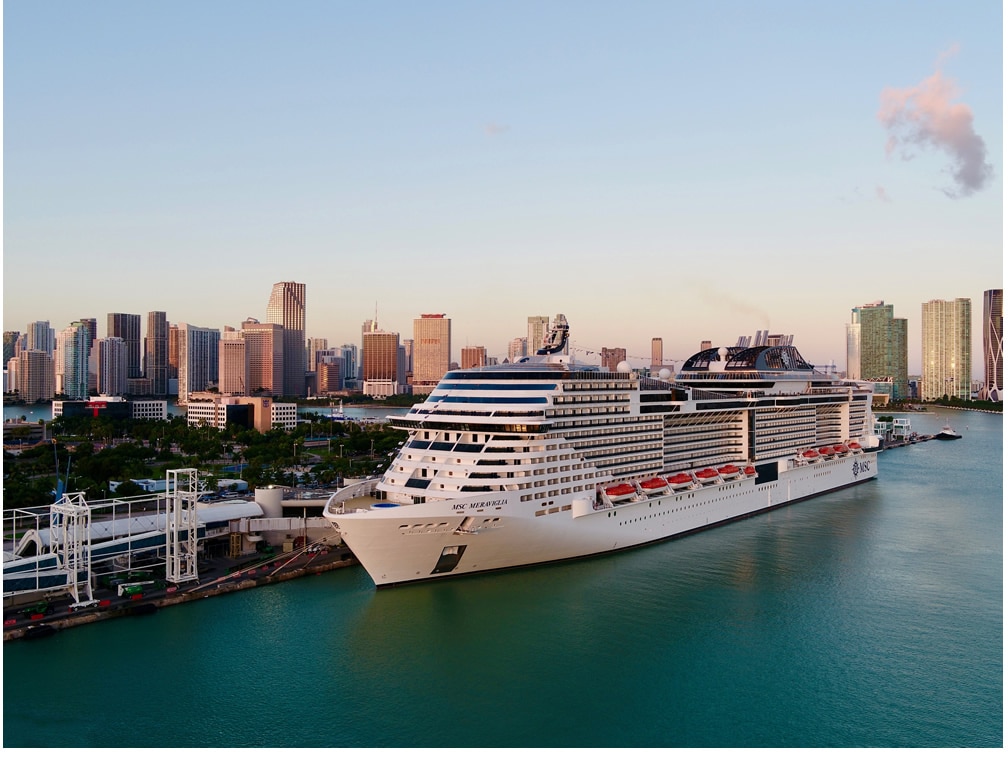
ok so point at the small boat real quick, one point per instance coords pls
(841, 450)
(729, 471)
(749, 471)
(810, 455)
(826, 451)
(854, 447)
(655, 484)
(620, 492)
(680, 480)
(707, 475)
(948, 433)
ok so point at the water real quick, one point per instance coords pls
(869, 617)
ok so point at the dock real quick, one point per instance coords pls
(217, 577)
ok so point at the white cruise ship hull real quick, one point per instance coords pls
(400, 544)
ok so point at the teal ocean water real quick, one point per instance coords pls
(868, 617)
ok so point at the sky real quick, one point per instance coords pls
(684, 170)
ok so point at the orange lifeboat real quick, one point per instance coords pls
(810, 455)
(729, 471)
(680, 480)
(707, 475)
(620, 492)
(654, 484)
(749, 471)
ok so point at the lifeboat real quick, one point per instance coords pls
(620, 492)
(656, 484)
(826, 451)
(854, 447)
(841, 450)
(707, 475)
(729, 471)
(749, 471)
(810, 455)
(680, 480)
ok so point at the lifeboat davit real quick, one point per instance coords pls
(729, 471)
(680, 480)
(655, 484)
(619, 492)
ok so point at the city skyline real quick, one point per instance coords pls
(648, 170)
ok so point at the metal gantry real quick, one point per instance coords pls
(182, 490)
(70, 542)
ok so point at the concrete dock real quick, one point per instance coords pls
(217, 577)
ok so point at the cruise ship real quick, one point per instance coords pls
(548, 460)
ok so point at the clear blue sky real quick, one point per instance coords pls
(685, 170)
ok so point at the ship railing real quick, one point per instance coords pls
(338, 499)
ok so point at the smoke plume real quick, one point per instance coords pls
(924, 116)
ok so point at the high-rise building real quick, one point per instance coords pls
(993, 340)
(126, 326)
(111, 366)
(286, 307)
(380, 359)
(35, 376)
(233, 368)
(538, 328)
(473, 357)
(329, 371)
(199, 359)
(92, 327)
(877, 347)
(174, 357)
(612, 357)
(431, 350)
(41, 336)
(350, 365)
(946, 355)
(264, 344)
(314, 346)
(156, 353)
(10, 345)
(517, 349)
(71, 361)
(657, 354)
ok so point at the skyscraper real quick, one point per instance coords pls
(431, 350)
(657, 357)
(517, 349)
(156, 353)
(71, 361)
(41, 337)
(264, 344)
(946, 357)
(199, 359)
(286, 307)
(877, 347)
(111, 369)
(538, 328)
(233, 371)
(993, 340)
(35, 376)
(380, 358)
(127, 327)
